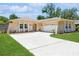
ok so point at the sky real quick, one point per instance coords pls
(29, 10)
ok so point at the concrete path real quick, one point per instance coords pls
(41, 44)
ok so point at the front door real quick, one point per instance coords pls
(35, 27)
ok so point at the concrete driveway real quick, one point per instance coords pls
(41, 44)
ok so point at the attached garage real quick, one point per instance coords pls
(49, 28)
(57, 25)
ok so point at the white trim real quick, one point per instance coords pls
(28, 26)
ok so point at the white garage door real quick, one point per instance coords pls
(49, 28)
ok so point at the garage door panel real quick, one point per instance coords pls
(48, 28)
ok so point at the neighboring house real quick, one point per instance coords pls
(76, 24)
(76, 21)
(56, 25)
(3, 28)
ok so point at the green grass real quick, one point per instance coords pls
(10, 47)
(68, 36)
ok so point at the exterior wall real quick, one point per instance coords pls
(39, 27)
(63, 24)
(60, 28)
(12, 26)
(30, 28)
(15, 26)
(71, 24)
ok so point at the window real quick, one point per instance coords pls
(21, 26)
(25, 25)
(66, 26)
(69, 26)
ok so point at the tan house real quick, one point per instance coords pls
(56, 25)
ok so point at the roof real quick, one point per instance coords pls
(27, 19)
(49, 20)
(55, 19)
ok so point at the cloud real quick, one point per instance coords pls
(33, 7)
(18, 8)
(31, 10)
(15, 8)
(38, 4)
(28, 15)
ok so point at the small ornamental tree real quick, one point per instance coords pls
(13, 16)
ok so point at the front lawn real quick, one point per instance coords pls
(68, 36)
(9, 47)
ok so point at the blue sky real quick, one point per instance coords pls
(29, 10)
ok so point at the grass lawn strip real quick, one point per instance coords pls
(10, 47)
(68, 36)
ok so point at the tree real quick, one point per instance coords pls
(69, 13)
(77, 17)
(40, 17)
(52, 11)
(49, 9)
(57, 12)
(13, 16)
(3, 19)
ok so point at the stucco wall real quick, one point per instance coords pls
(15, 26)
(58, 25)
(69, 29)
(60, 28)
